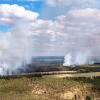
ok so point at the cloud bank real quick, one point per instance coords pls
(75, 34)
(53, 3)
(12, 13)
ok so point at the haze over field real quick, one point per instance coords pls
(31, 28)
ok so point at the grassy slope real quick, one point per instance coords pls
(38, 88)
(88, 68)
(44, 88)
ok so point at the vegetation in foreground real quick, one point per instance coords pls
(44, 88)
(49, 88)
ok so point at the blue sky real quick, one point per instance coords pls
(68, 23)
(41, 7)
(4, 28)
(33, 5)
(64, 27)
(47, 12)
(68, 28)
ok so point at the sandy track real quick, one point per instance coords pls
(91, 75)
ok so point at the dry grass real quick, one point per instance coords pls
(41, 88)
(88, 75)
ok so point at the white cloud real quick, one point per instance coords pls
(86, 13)
(67, 2)
(80, 32)
(9, 13)
(76, 31)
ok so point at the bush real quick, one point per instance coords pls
(88, 98)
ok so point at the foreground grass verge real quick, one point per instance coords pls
(44, 88)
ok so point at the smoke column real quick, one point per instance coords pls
(79, 58)
(75, 34)
(16, 45)
(15, 49)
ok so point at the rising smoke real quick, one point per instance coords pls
(75, 35)
(16, 45)
(79, 58)
(15, 49)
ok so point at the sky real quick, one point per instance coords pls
(56, 27)
(29, 28)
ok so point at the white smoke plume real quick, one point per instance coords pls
(75, 34)
(15, 50)
(16, 47)
(79, 58)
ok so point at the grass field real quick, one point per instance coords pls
(81, 85)
(44, 88)
(87, 68)
(74, 75)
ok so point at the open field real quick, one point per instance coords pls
(44, 88)
(88, 75)
(74, 84)
(87, 68)
(59, 67)
(39, 74)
